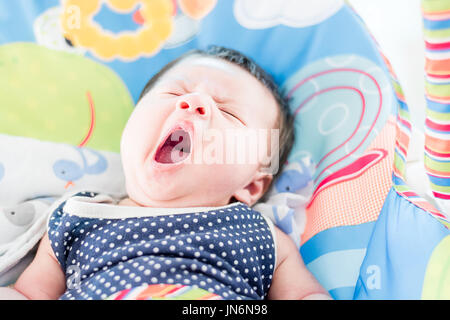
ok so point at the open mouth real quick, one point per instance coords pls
(176, 147)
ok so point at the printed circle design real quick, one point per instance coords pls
(341, 101)
(363, 80)
(336, 62)
(326, 114)
(314, 98)
(363, 109)
(77, 23)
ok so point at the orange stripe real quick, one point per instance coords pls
(438, 153)
(437, 17)
(175, 288)
(436, 144)
(145, 294)
(400, 96)
(397, 172)
(401, 148)
(437, 173)
(402, 138)
(443, 100)
(69, 184)
(435, 13)
(151, 291)
(164, 291)
(207, 296)
(427, 206)
(438, 67)
(391, 70)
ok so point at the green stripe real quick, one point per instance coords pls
(435, 5)
(437, 166)
(402, 188)
(438, 90)
(437, 34)
(443, 189)
(436, 283)
(399, 164)
(438, 115)
(192, 294)
(404, 114)
(445, 223)
(397, 88)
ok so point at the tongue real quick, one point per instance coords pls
(176, 148)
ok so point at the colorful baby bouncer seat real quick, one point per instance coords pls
(71, 71)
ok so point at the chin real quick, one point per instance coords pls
(156, 193)
(162, 196)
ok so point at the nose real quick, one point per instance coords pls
(195, 105)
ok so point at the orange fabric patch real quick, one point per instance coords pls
(355, 201)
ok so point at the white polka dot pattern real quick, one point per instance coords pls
(227, 251)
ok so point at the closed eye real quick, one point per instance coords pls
(177, 94)
(232, 115)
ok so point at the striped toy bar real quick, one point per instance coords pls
(403, 135)
(164, 292)
(436, 23)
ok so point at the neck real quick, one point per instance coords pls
(128, 202)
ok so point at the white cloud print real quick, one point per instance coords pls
(261, 14)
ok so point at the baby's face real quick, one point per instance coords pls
(175, 145)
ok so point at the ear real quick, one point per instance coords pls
(255, 189)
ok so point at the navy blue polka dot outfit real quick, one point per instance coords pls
(227, 250)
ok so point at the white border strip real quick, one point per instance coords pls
(85, 207)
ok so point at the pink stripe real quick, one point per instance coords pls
(298, 85)
(439, 99)
(437, 154)
(122, 294)
(429, 208)
(359, 122)
(443, 15)
(435, 175)
(92, 124)
(437, 46)
(350, 172)
(404, 122)
(409, 194)
(441, 195)
(400, 148)
(439, 76)
(433, 125)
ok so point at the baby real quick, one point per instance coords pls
(184, 221)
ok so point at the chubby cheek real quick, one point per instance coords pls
(140, 136)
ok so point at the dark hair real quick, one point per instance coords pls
(285, 121)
